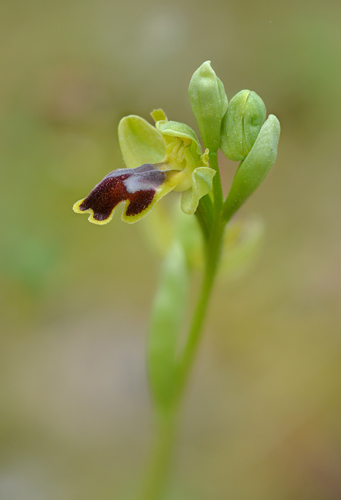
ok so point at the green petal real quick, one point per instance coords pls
(158, 114)
(140, 142)
(177, 129)
(202, 178)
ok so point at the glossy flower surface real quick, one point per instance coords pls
(159, 159)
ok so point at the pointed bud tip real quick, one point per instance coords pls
(205, 69)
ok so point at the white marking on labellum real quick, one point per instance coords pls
(143, 180)
(135, 183)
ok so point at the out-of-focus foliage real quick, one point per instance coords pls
(262, 420)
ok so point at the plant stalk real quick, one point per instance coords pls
(159, 467)
(158, 474)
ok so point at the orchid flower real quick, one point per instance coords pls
(160, 159)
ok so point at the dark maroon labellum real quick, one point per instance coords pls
(138, 185)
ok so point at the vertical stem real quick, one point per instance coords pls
(156, 481)
(159, 467)
(212, 260)
(217, 187)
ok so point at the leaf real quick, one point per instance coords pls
(166, 319)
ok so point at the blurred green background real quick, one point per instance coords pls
(262, 416)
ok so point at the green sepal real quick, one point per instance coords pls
(140, 142)
(241, 124)
(253, 170)
(209, 104)
(167, 315)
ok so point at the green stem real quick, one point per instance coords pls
(228, 210)
(213, 250)
(156, 482)
(159, 466)
(217, 187)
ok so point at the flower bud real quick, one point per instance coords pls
(209, 104)
(241, 124)
(253, 170)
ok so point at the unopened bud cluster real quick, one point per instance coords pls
(239, 128)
